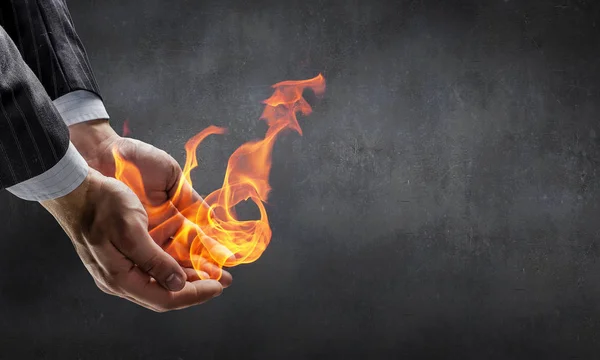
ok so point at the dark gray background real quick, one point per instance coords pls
(442, 203)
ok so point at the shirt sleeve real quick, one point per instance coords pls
(37, 160)
(80, 106)
(58, 181)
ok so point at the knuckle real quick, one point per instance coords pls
(129, 229)
(152, 265)
(128, 219)
(126, 244)
(173, 166)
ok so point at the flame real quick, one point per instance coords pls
(126, 129)
(211, 232)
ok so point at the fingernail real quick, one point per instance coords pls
(204, 275)
(175, 282)
(219, 293)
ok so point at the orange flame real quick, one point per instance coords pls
(126, 129)
(211, 231)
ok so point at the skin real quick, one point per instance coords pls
(110, 230)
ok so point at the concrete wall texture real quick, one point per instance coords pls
(442, 203)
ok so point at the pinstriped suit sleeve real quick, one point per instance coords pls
(46, 38)
(37, 161)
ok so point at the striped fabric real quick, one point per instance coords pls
(41, 59)
(45, 36)
(79, 106)
(58, 181)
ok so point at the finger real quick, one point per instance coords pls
(114, 263)
(175, 236)
(186, 200)
(193, 275)
(108, 262)
(187, 235)
(137, 245)
(141, 287)
(128, 281)
(226, 279)
(171, 222)
(175, 224)
(220, 253)
(160, 213)
(214, 270)
(183, 232)
(182, 194)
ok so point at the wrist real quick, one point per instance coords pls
(94, 139)
(70, 208)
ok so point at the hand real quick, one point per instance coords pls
(108, 227)
(161, 175)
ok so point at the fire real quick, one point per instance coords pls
(126, 130)
(211, 231)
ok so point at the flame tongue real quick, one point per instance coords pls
(211, 232)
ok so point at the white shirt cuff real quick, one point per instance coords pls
(79, 106)
(56, 182)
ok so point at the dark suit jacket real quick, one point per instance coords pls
(41, 59)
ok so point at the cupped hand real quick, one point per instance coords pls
(161, 175)
(109, 229)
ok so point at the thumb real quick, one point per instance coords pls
(139, 247)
